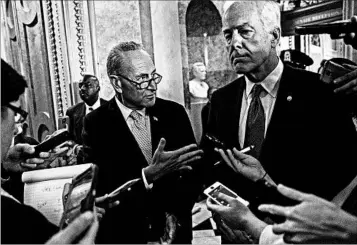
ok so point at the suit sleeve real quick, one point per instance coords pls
(210, 157)
(69, 113)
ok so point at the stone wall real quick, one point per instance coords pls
(116, 21)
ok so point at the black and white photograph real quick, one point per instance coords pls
(178, 122)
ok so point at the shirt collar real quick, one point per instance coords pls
(269, 83)
(94, 106)
(127, 111)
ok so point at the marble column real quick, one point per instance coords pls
(167, 47)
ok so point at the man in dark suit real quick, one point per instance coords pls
(298, 126)
(89, 92)
(121, 138)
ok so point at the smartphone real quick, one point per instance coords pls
(213, 191)
(81, 195)
(51, 143)
(63, 122)
(114, 195)
(337, 27)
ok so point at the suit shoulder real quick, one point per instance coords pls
(227, 90)
(168, 104)
(308, 80)
(101, 112)
(75, 108)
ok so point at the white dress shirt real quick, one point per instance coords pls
(130, 122)
(267, 97)
(94, 106)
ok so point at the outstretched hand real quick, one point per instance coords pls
(347, 84)
(243, 164)
(165, 162)
(314, 220)
(349, 38)
(20, 158)
(237, 216)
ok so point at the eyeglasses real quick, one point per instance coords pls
(144, 84)
(18, 111)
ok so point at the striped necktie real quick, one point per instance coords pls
(142, 135)
(255, 127)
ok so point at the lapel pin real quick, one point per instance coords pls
(289, 98)
(155, 119)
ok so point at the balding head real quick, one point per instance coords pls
(252, 32)
(268, 11)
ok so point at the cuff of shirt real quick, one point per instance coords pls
(269, 237)
(147, 186)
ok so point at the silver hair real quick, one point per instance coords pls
(268, 10)
(116, 61)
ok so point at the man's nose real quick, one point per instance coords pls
(236, 40)
(152, 86)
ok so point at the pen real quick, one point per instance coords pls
(245, 150)
(249, 148)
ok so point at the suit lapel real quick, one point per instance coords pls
(283, 109)
(283, 100)
(124, 133)
(155, 128)
(232, 111)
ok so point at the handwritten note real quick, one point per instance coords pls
(43, 189)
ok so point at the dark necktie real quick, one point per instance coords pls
(90, 109)
(142, 135)
(255, 127)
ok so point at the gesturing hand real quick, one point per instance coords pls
(165, 162)
(244, 164)
(314, 220)
(237, 216)
(19, 159)
(347, 84)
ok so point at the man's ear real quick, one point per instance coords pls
(276, 33)
(116, 83)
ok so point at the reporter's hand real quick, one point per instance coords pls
(63, 155)
(233, 236)
(165, 162)
(243, 164)
(314, 220)
(170, 229)
(237, 216)
(349, 38)
(347, 84)
(76, 229)
(20, 158)
(103, 202)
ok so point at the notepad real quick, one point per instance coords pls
(43, 189)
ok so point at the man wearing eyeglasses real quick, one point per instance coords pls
(137, 135)
(23, 224)
(89, 92)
